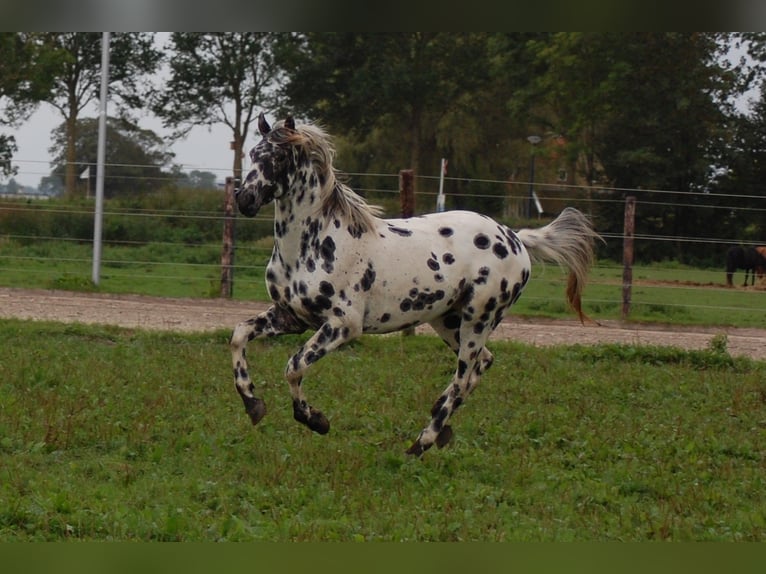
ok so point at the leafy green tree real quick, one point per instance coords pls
(221, 77)
(25, 80)
(641, 110)
(196, 179)
(76, 79)
(742, 175)
(134, 160)
(392, 89)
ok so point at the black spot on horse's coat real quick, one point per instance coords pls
(433, 264)
(500, 250)
(326, 288)
(400, 231)
(446, 231)
(310, 265)
(516, 293)
(462, 367)
(438, 405)
(274, 292)
(385, 317)
(481, 241)
(452, 321)
(448, 258)
(405, 305)
(327, 252)
(368, 278)
(438, 277)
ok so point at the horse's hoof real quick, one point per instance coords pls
(315, 420)
(417, 449)
(318, 422)
(444, 436)
(256, 408)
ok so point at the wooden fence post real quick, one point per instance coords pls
(629, 228)
(407, 199)
(407, 192)
(227, 252)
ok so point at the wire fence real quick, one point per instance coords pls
(172, 247)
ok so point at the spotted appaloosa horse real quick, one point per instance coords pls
(339, 270)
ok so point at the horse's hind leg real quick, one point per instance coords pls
(474, 359)
(272, 322)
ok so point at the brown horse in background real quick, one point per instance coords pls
(760, 270)
(751, 259)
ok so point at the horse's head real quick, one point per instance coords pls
(273, 165)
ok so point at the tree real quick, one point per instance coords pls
(195, 179)
(222, 77)
(76, 78)
(658, 137)
(134, 159)
(25, 80)
(400, 84)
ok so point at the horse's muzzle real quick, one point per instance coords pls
(249, 200)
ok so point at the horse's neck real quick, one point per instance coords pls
(298, 214)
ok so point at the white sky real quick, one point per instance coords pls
(205, 149)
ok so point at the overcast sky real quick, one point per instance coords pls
(205, 149)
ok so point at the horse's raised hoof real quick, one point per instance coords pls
(315, 420)
(318, 422)
(255, 408)
(444, 436)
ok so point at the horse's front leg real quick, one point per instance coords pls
(274, 321)
(329, 337)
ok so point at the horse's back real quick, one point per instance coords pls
(429, 265)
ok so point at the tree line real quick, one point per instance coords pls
(652, 111)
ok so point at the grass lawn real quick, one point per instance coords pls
(109, 434)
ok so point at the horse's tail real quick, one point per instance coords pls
(568, 241)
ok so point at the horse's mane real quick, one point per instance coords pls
(337, 198)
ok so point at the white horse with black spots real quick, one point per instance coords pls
(340, 270)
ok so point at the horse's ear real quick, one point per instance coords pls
(263, 125)
(290, 123)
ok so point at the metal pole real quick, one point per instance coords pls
(534, 140)
(99, 211)
(531, 197)
(440, 197)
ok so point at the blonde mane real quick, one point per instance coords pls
(337, 198)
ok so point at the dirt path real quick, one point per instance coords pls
(190, 315)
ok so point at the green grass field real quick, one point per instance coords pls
(110, 434)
